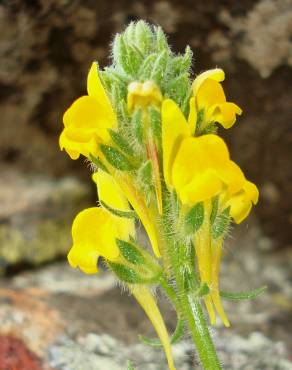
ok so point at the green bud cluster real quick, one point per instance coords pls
(142, 53)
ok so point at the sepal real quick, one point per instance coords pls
(194, 218)
(98, 163)
(121, 142)
(126, 56)
(145, 174)
(146, 67)
(155, 120)
(135, 273)
(161, 40)
(159, 67)
(143, 37)
(136, 122)
(125, 274)
(220, 224)
(130, 252)
(116, 158)
(117, 212)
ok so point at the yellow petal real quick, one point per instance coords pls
(202, 187)
(94, 233)
(241, 202)
(147, 302)
(83, 257)
(86, 124)
(192, 119)
(78, 141)
(109, 191)
(143, 94)
(224, 113)
(87, 113)
(215, 294)
(97, 91)
(145, 214)
(202, 242)
(232, 176)
(210, 92)
(251, 191)
(210, 309)
(194, 168)
(153, 156)
(71, 148)
(216, 74)
(239, 208)
(174, 129)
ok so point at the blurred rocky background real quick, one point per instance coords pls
(46, 48)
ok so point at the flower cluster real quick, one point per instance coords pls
(151, 134)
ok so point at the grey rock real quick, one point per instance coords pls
(99, 352)
(35, 216)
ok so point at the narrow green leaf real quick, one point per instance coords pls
(130, 252)
(144, 36)
(121, 142)
(176, 336)
(125, 273)
(215, 205)
(98, 163)
(117, 212)
(113, 76)
(200, 119)
(146, 67)
(161, 41)
(137, 124)
(178, 88)
(155, 119)
(135, 59)
(187, 59)
(159, 67)
(185, 104)
(220, 224)
(116, 158)
(240, 296)
(194, 218)
(129, 33)
(182, 63)
(145, 173)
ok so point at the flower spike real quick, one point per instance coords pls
(150, 133)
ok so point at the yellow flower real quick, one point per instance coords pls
(110, 192)
(208, 95)
(95, 229)
(94, 234)
(241, 203)
(198, 168)
(143, 95)
(146, 214)
(87, 121)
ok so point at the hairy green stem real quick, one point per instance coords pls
(197, 324)
(181, 260)
(192, 312)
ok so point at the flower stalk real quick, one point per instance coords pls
(150, 133)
